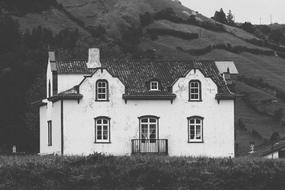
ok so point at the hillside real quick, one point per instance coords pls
(164, 29)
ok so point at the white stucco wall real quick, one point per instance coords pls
(67, 81)
(218, 119)
(50, 112)
(273, 155)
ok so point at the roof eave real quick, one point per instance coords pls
(65, 97)
(149, 97)
(225, 97)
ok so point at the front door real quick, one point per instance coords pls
(148, 134)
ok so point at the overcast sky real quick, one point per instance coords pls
(244, 10)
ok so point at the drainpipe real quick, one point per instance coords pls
(62, 136)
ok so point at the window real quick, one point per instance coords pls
(148, 129)
(195, 129)
(102, 90)
(49, 89)
(194, 90)
(153, 85)
(49, 133)
(102, 130)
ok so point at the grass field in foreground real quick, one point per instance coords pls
(140, 172)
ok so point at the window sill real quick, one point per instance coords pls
(102, 142)
(194, 100)
(195, 141)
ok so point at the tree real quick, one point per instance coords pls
(275, 137)
(230, 18)
(247, 26)
(220, 16)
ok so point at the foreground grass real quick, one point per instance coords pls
(139, 172)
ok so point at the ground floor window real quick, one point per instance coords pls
(49, 133)
(148, 129)
(102, 130)
(195, 129)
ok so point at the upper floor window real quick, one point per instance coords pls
(154, 85)
(102, 130)
(195, 129)
(102, 90)
(195, 90)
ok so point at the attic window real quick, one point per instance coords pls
(153, 85)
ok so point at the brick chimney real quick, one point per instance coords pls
(94, 58)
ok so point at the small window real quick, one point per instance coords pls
(102, 90)
(194, 90)
(195, 129)
(49, 133)
(49, 89)
(102, 130)
(154, 85)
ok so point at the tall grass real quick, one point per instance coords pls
(139, 172)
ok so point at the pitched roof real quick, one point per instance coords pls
(226, 66)
(269, 148)
(71, 94)
(135, 74)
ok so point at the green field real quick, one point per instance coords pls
(139, 172)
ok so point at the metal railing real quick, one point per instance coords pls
(159, 146)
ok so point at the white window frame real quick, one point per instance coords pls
(195, 125)
(154, 86)
(148, 124)
(104, 129)
(105, 88)
(197, 89)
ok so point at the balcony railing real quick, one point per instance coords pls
(159, 146)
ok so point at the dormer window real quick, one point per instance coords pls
(195, 90)
(154, 86)
(102, 91)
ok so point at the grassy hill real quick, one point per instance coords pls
(164, 29)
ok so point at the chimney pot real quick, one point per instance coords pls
(51, 56)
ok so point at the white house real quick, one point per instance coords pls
(124, 107)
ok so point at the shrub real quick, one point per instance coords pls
(275, 137)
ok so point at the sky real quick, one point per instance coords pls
(252, 11)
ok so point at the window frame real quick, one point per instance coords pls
(102, 141)
(154, 82)
(106, 89)
(199, 99)
(49, 128)
(195, 140)
(148, 123)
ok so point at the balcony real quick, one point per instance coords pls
(145, 146)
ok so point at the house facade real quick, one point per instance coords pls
(124, 107)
